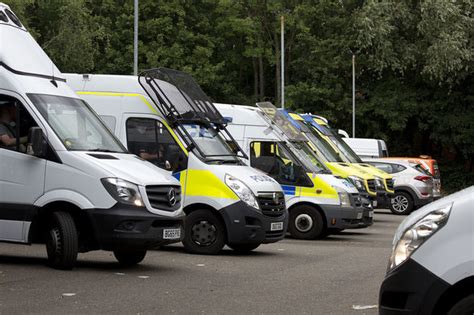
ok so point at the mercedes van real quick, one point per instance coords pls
(163, 116)
(65, 180)
(318, 203)
(431, 267)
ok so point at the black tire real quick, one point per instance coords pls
(306, 223)
(128, 258)
(463, 307)
(62, 241)
(401, 203)
(204, 233)
(243, 248)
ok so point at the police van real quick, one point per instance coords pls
(164, 116)
(318, 203)
(65, 180)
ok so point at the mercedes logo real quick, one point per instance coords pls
(172, 197)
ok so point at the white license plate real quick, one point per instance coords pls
(371, 214)
(276, 226)
(171, 234)
(374, 203)
(359, 215)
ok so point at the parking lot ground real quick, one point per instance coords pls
(338, 275)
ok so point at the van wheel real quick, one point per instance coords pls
(128, 258)
(463, 307)
(306, 223)
(62, 241)
(204, 233)
(243, 248)
(401, 203)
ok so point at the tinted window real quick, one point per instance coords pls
(3, 17)
(150, 140)
(384, 167)
(276, 160)
(13, 17)
(398, 168)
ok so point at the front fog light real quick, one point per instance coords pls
(241, 190)
(417, 234)
(123, 191)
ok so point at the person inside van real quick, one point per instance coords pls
(7, 127)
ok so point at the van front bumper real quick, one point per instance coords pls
(123, 227)
(410, 289)
(248, 225)
(338, 217)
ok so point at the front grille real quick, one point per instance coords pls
(272, 204)
(389, 183)
(159, 197)
(357, 200)
(371, 185)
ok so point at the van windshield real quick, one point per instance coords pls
(349, 154)
(76, 124)
(211, 144)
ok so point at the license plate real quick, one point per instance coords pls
(374, 203)
(359, 215)
(276, 226)
(371, 214)
(171, 234)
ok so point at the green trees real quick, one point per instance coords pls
(414, 58)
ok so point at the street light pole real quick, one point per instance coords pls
(282, 51)
(353, 96)
(135, 39)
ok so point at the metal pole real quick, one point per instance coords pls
(353, 97)
(135, 40)
(282, 50)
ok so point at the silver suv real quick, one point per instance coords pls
(413, 184)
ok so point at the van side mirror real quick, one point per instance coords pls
(37, 145)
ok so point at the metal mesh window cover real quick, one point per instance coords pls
(179, 97)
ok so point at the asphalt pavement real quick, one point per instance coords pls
(338, 275)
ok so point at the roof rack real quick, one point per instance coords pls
(180, 100)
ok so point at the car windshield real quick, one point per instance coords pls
(322, 147)
(76, 125)
(211, 144)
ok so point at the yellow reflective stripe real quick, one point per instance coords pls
(320, 121)
(144, 100)
(206, 183)
(295, 116)
(327, 191)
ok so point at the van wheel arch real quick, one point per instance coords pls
(454, 294)
(83, 224)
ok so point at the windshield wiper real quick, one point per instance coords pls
(222, 161)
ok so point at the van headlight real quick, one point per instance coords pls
(413, 237)
(379, 183)
(123, 191)
(241, 190)
(343, 197)
(357, 182)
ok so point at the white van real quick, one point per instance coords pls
(368, 148)
(431, 268)
(164, 116)
(65, 180)
(318, 202)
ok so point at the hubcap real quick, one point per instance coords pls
(53, 246)
(400, 203)
(304, 223)
(204, 233)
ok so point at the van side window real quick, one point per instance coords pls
(150, 140)
(275, 161)
(15, 123)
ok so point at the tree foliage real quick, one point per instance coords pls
(414, 59)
